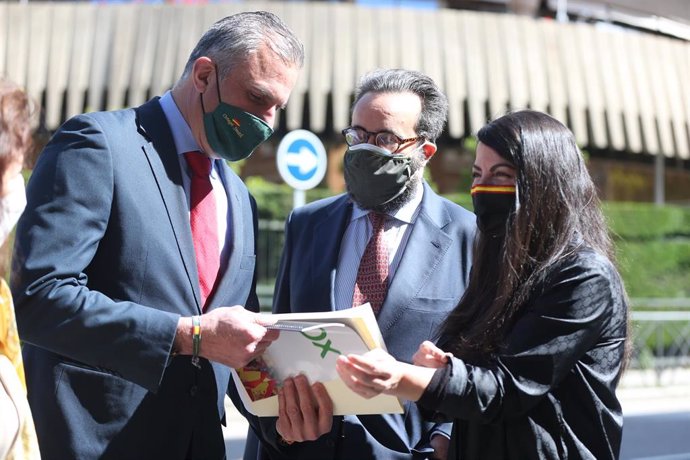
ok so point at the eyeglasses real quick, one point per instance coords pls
(355, 135)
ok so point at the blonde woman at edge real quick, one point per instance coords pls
(17, 433)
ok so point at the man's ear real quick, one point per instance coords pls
(202, 72)
(429, 148)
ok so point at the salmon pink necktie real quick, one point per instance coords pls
(372, 276)
(203, 220)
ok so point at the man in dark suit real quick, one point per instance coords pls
(124, 306)
(389, 214)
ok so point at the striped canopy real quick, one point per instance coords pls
(616, 88)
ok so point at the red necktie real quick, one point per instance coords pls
(372, 276)
(203, 220)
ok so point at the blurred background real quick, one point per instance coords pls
(615, 71)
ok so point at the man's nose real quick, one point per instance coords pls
(269, 116)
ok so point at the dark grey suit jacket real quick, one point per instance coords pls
(103, 267)
(428, 283)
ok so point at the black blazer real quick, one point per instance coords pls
(551, 392)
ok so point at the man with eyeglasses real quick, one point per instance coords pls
(425, 242)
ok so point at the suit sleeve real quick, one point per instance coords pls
(70, 198)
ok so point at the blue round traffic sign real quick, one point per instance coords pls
(301, 159)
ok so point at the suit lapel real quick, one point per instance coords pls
(327, 237)
(426, 247)
(165, 167)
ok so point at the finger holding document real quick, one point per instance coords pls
(310, 344)
(305, 412)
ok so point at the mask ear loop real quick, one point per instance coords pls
(517, 178)
(517, 196)
(217, 83)
(201, 96)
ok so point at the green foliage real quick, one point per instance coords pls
(275, 200)
(652, 243)
(463, 199)
(653, 248)
(658, 268)
(644, 221)
(469, 144)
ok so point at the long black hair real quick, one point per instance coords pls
(557, 212)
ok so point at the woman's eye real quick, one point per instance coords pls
(504, 174)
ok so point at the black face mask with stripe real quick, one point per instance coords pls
(492, 206)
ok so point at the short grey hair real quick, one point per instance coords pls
(434, 103)
(230, 40)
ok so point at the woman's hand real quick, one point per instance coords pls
(370, 374)
(429, 355)
(377, 372)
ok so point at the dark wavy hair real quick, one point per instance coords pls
(557, 213)
(434, 112)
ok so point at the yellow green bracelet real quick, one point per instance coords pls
(196, 340)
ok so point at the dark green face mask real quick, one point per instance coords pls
(375, 176)
(232, 133)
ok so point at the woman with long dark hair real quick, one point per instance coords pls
(527, 364)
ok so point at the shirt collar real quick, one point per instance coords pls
(405, 214)
(181, 132)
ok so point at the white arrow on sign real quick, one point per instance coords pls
(305, 159)
(301, 159)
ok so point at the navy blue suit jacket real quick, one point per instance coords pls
(427, 285)
(103, 268)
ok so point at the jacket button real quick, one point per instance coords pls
(193, 390)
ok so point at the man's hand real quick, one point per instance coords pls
(229, 335)
(305, 412)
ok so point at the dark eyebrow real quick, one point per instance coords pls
(264, 93)
(499, 165)
(379, 132)
(496, 166)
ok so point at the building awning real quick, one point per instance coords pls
(617, 89)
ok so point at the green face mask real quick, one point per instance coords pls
(232, 133)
